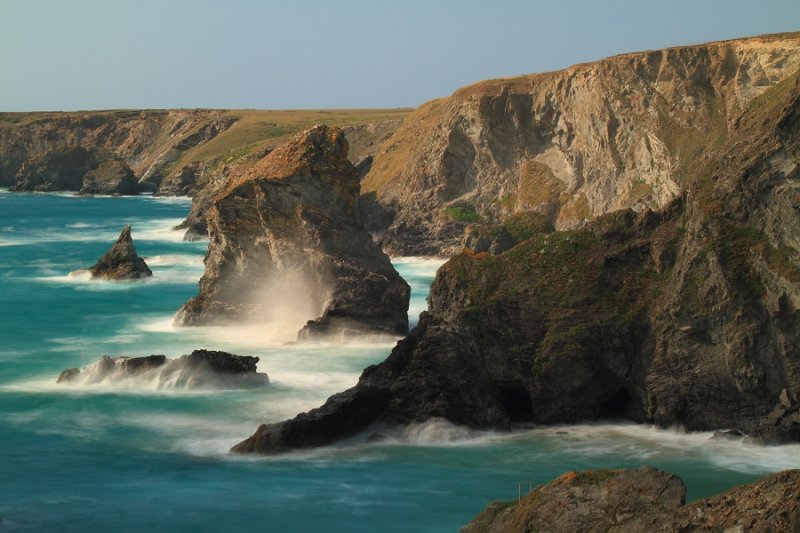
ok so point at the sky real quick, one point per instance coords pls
(312, 54)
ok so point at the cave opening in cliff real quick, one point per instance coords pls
(618, 406)
(516, 401)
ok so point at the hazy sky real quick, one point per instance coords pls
(102, 54)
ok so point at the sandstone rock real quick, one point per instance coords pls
(121, 261)
(645, 499)
(287, 238)
(624, 132)
(659, 317)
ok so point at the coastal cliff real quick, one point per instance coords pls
(625, 132)
(286, 237)
(149, 143)
(682, 316)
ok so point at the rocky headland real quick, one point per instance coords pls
(626, 132)
(121, 262)
(201, 368)
(644, 499)
(286, 236)
(685, 315)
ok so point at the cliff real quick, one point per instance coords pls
(150, 143)
(286, 238)
(624, 132)
(644, 499)
(683, 316)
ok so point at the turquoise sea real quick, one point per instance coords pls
(149, 456)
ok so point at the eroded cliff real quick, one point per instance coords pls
(682, 316)
(624, 132)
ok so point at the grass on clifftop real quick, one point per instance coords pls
(265, 129)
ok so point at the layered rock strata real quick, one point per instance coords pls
(644, 499)
(121, 262)
(684, 316)
(287, 237)
(624, 132)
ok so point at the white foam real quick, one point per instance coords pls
(179, 260)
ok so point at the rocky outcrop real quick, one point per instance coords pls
(644, 499)
(363, 140)
(201, 368)
(287, 238)
(121, 262)
(684, 316)
(624, 132)
(112, 176)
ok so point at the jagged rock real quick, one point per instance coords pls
(56, 170)
(658, 317)
(289, 228)
(624, 132)
(644, 499)
(121, 261)
(201, 368)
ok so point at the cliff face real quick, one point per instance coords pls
(685, 316)
(149, 142)
(644, 499)
(287, 237)
(625, 132)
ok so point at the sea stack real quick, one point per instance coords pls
(121, 261)
(287, 244)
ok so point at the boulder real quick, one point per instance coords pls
(286, 239)
(121, 261)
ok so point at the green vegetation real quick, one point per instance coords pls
(462, 214)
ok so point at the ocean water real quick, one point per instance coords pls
(147, 455)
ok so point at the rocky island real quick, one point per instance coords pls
(286, 236)
(121, 262)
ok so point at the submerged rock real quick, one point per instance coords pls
(121, 261)
(201, 368)
(644, 499)
(287, 241)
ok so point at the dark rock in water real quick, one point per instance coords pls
(728, 434)
(289, 229)
(121, 261)
(223, 362)
(201, 368)
(644, 499)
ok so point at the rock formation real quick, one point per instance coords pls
(287, 237)
(121, 261)
(201, 368)
(644, 499)
(624, 132)
(363, 141)
(684, 316)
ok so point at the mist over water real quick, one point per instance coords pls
(131, 455)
